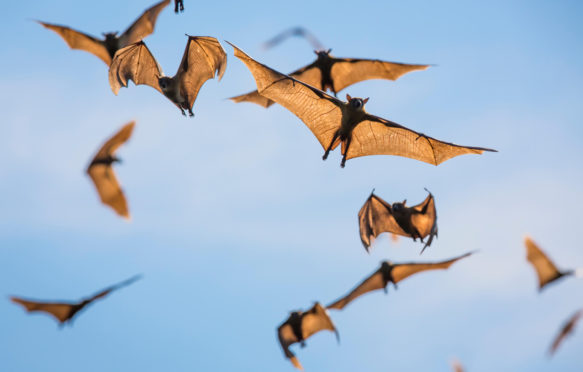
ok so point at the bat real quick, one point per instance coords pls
(331, 73)
(105, 49)
(377, 216)
(300, 326)
(566, 330)
(390, 273)
(65, 312)
(335, 122)
(178, 6)
(102, 175)
(456, 366)
(203, 59)
(295, 31)
(545, 269)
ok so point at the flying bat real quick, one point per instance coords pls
(63, 311)
(295, 31)
(105, 49)
(335, 122)
(178, 6)
(377, 216)
(101, 172)
(566, 330)
(204, 58)
(300, 326)
(546, 270)
(390, 273)
(456, 366)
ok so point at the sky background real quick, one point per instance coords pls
(236, 220)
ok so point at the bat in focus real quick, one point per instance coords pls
(295, 31)
(335, 122)
(203, 59)
(63, 311)
(377, 216)
(178, 6)
(566, 330)
(300, 326)
(546, 270)
(101, 172)
(105, 49)
(390, 273)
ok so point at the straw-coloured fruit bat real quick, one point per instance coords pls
(566, 330)
(300, 326)
(101, 172)
(377, 216)
(178, 6)
(546, 270)
(295, 31)
(64, 312)
(105, 49)
(204, 58)
(334, 122)
(390, 273)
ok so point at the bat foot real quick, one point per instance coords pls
(343, 163)
(183, 113)
(190, 113)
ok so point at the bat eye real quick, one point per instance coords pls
(356, 103)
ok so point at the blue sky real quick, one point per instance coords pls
(236, 220)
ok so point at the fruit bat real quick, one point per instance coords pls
(377, 216)
(296, 31)
(105, 49)
(334, 122)
(331, 73)
(456, 366)
(390, 273)
(102, 175)
(546, 270)
(178, 6)
(300, 326)
(565, 331)
(64, 312)
(204, 58)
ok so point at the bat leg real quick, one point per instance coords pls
(343, 162)
(303, 343)
(330, 146)
(190, 113)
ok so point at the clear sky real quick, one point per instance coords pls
(236, 220)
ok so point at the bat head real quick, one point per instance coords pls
(164, 83)
(398, 207)
(356, 103)
(323, 53)
(110, 35)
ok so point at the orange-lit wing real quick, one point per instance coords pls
(545, 269)
(374, 219)
(136, 63)
(108, 188)
(143, 26)
(61, 311)
(402, 271)
(372, 283)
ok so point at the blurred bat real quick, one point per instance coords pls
(300, 326)
(64, 312)
(102, 175)
(456, 366)
(204, 58)
(390, 273)
(105, 49)
(546, 270)
(566, 330)
(178, 6)
(377, 216)
(295, 31)
(334, 122)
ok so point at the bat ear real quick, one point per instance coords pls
(328, 51)
(404, 201)
(348, 98)
(365, 101)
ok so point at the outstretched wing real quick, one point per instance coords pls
(402, 271)
(61, 311)
(348, 71)
(315, 320)
(112, 288)
(108, 188)
(377, 136)
(372, 283)
(204, 58)
(136, 63)
(425, 220)
(545, 268)
(287, 337)
(565, 331)
(374, 219)
(143, 26)
(79, 40)
(111, 145)
(295, 31)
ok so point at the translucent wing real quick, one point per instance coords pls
(61, 311)
(111, 145)
(374, 219)
(425, 221)
(143, 26)
(402, 271)
(545, 269)
(315, 320)
(134, 62)
(372, 283)
(108, 188)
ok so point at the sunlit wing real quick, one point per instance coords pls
(402, 271)
(136, 63)
(374, 219)
(316, 320)
(118, 139)
(143, 26)
(545, 269)
(287, 337)
(108, 188)
(372, 283)
(61, 311)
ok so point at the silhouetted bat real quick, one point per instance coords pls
(333, 121)
(178, 6)
(105, 49)
(300, 326)
(565, 331)
(335, 74)
(203, 58)
(390, 273)
(295, 31)
(102, 174)
(377, 216)
(64, 312)
(546, 271)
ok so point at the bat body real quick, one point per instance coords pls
(105, 48)
(295, 31)
(377, 216)
(300, 326)
(565, 331)
(203, 59)
(178, 6)
(335, 122)
(390, 273)
(64, 312)
(545, 269)
(101, 172)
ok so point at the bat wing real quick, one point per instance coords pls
(545, 268)
(319, 111)
(108, 188)
(375, 218)
(136, 63)
(118, 139)
(565, 331)
(425, 221)
(204, 58)
(372, 283)
(61, 311)
(377, 136)
(287, 337)
(348, 71)
(296, 31)
(402, 271)
(143, 26)
(79, 40)
(316, 320)
(112, 288)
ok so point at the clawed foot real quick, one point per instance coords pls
(343, 163)
(325, 156)
(183, 113)
(190, 113)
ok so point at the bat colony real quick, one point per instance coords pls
(332, 121)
